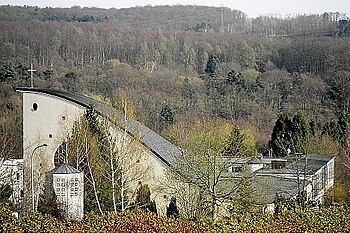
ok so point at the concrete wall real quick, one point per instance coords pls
(48, 119)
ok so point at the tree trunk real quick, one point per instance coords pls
(94, 187)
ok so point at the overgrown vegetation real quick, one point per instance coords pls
(332, 219)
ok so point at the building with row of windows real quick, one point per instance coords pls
(309, 176)
(68, 185)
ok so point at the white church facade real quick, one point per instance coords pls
(48, 117)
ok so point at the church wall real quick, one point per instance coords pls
(145, 167)
(49, 122)
(46, 120)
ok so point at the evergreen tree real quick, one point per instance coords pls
(48, 205)
(167, 117)
(245, 201)
(233, 77)
(172, 210)
(211, 65)
(5, 193)
(337, 129)
(236, 145)
(300, 132)
(143, 199)
(280, 142)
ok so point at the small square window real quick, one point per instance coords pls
(76, 179)
(58, 179)
(63, 194)
(58, 184)
(58, 190)
(50, 135)
(63, 184)
(62, 179)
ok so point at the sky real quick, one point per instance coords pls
(253, 8)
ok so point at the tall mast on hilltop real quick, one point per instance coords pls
(222, 19)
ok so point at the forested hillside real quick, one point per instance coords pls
(176, 60)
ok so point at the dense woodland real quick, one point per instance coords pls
(178, 65)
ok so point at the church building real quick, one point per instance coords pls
(48, 118)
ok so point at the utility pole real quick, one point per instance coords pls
(31, 70)
(34, 208)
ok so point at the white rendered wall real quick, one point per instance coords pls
(44, 126)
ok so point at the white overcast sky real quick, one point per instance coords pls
(252, 7)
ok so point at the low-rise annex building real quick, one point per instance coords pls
(11, 173)
(310, 175)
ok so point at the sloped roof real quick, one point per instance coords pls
(65, 169)
(161, 147)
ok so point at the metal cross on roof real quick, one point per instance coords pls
(31, 70)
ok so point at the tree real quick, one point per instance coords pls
(211, 65)
(83, 154)
(167, 117)
(202, 165)
(5, 193)
(188, 94)
(290, 135)
(110, 158)
(172, 210)
(300, 132)
(337, 129)
(280, 141)
(143, 199)
(245, 200)
(49, 205)
(237, 145)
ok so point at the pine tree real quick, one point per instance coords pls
(245, 200)
(143, 199)
(237, 146)
(172, 210)
(211, 65)
(167, 117)
(280, 142)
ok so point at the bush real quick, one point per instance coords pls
(332, 219)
